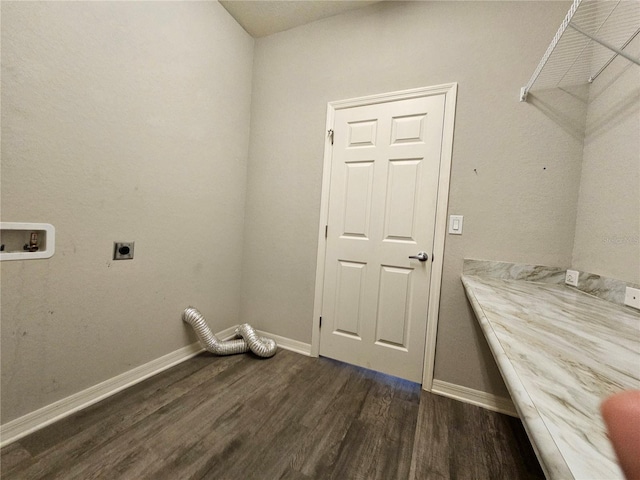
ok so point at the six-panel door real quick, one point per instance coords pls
(382, 206)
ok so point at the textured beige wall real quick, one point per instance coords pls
(516, 166)
(607, 238)
(130, 121)
(120, 121)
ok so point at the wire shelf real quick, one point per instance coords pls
(593, 33)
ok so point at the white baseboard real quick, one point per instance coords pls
(474, 397)
(288, 344)
(44, 416)
(31, 422)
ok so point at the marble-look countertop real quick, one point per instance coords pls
(561, 352)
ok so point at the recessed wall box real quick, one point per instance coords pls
(27, 241)
(123, 250)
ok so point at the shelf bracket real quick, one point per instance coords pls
(588, 25)
(613, 57)
(552, 46)
(606, 45)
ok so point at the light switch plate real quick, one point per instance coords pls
(455, 224)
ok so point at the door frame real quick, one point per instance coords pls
(450, 91)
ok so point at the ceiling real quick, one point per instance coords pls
(265, 17)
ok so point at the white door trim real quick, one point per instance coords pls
(450, 91)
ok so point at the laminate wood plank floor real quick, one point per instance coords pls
(288, 417)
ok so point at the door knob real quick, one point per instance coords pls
(422, 256)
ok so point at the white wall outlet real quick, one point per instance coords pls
(632, 297)
(571, 278)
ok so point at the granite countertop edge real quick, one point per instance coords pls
(549, 456)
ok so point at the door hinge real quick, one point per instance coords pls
(330, 134)
(326, 231)
(320, 322)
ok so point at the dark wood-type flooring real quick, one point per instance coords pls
(288, 417)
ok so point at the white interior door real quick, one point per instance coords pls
(382, 209)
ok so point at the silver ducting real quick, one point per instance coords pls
(261, 346)
(207, 339)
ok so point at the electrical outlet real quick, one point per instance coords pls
(123, 250)
(571, 278)
(632, 297)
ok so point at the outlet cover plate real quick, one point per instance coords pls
(571, 278)
(123, 250)
(632, 297)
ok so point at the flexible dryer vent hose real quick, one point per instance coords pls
(261, 346)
